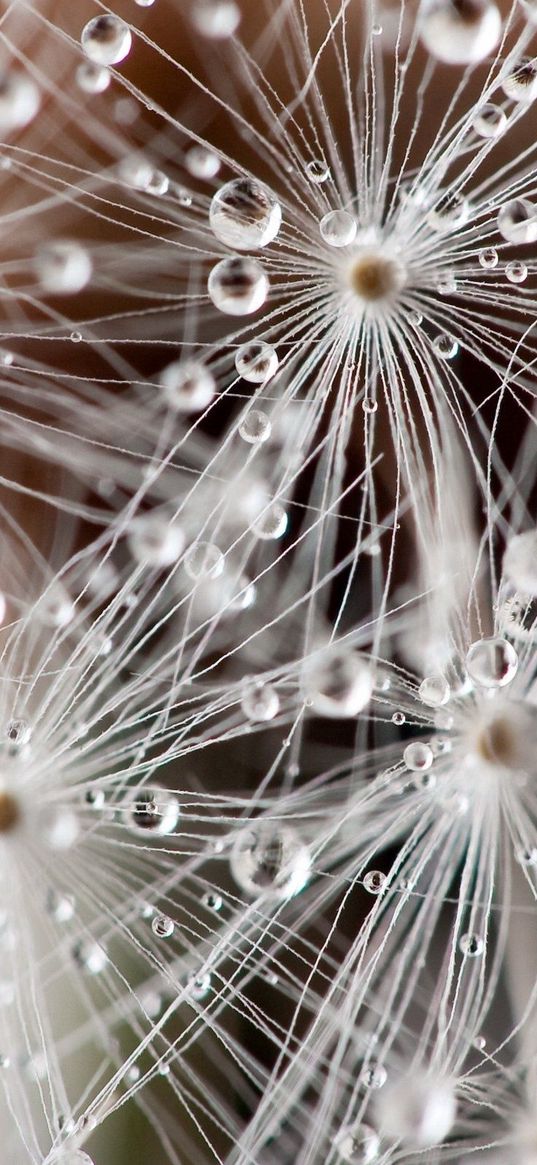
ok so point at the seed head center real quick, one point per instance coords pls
(9, 812)
(375, 276)
(496, 743)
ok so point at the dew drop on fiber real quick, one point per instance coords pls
(238, 286)
(245, 215)
(460, 32)
(270, 858)
(492, 663)
(358, 1144)
(256, 361)
(106, 39)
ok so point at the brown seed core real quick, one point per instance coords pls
(496, 743)
(374, 277)
(9, 812)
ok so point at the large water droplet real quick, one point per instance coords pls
(271, 859)
(245, 215)
(238, 286)
(492, 663)
(106, 39)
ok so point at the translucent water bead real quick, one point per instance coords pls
(516, 271)
(187, 386)
(517, 221)
(520, 562)
(338, 228)
(337, 683)
(461, 32)
(471, 945)
(106, 39)
(256, 362)
(318, 172)
(155, 541)
(418, 756)
(358, 1144)
(451, 210)
(492, 663)
(63, 267)
(260, 702)
(417, 1110)
(90, 957)
(490, 121)
(238, 286)
(434, 691)
(92, 78)
(255, 428)
(521, 83)
(155, 811)
(245, 215)
(162, 926)
(202, 163)
(271, 859)
(215, 19)
(19, 100)
(203, 560)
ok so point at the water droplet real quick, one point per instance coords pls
(369, 404)
(517, 221)
(492, 663)
(92, 78)
(95, 798)
(90, 957)
(155, 541)
(516, 271)
(187, 386)
(445, 346)
(212, 900)
(418, 756)
(318, 172)
(520, 84)
(200, 986)
(358, 1144)
(374, 881)
(215, 19)
(488, 258)
(244, 215)
(270, 858)
(520, 562)
(256, 362)
(418, 1110)
(255, 428)
(415, 318)
(202, 163)
(162, 926)
(260, 702)
(271, 523)
(398, 718)
(238, 286)
(76, 337)
(19, 100)
(18, 732)
(203, 560)
(62, 267)
(61, 907)
(337, 682)
(338, 228)
(471, 946)
(527, 856)
(153, 810)
(434, 691)
(450, 211)
(460, 33)
(489, 121)
(374, 1077)
(106, 39)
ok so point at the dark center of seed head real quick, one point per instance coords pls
(375, 277)
(9, 812)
